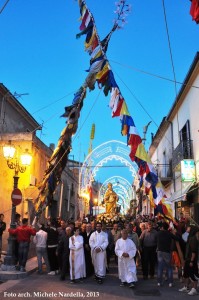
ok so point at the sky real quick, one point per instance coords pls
(41, 57)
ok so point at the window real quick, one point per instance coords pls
(185, 132)
(185, 141)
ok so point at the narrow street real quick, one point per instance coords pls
(50, 287)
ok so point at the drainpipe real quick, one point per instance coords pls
(61, 197)
(172, 143)
(68, 208)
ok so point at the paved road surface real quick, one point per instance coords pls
(50, 287)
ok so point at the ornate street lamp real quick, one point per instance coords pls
(19, 166)
(96, 206)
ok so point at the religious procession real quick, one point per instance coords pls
(85, 249)
(144, 224)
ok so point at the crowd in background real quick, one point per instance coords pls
(85, 248)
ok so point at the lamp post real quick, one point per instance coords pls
(96, 206)
(19, 167)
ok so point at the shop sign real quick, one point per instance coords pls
(188, 172)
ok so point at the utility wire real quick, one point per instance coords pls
(153, 75)
(169, 43)
(53, 102)
(172, 63)
(76, 133)
(4, 6)
(139, 102)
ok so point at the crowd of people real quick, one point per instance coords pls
(84, 249)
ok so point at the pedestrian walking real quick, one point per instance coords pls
(52, 243)
(148, 246)
(77, 259)
(87, 249)
(116, 233)
(2, 229)
(17, 223)
(40, 240)
(126, 249)
(109, 248)
(191, 263)
(23, 234)
(63, 253)
(98, 243)
(62, 229)
(61, 233)
(164, 254)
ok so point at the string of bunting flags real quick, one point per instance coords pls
(100, 72)
(105, 79)
(58, 160)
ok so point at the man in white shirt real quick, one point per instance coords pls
(125, 249)
(40, 239)
(98, 242)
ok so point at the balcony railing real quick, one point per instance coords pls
(164, 172)
(183, 151)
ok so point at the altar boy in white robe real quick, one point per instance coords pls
(98, 242)
(125, 249)
(77, 259)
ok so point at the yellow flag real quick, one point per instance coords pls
(124, 109)
(142, 154)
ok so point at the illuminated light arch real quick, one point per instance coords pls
(111, 150)
(112, 157)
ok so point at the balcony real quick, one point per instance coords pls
(183, 151)
(164, 172)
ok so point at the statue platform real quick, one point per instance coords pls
(110, 218)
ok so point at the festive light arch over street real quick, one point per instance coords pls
(105, 152)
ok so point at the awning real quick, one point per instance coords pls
(180, 195)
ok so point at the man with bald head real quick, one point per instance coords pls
(125, 249)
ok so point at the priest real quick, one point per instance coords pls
(77, 259)
(98, 243)
(125, 249)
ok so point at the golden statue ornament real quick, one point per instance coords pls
(110, 200)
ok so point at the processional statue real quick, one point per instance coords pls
(110, 199)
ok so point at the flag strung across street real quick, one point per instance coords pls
(100, 73)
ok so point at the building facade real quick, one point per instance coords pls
(175, 147)
(19, 128)
(66, 200)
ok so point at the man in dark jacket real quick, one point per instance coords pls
(164, 241)
(191, 262)
(62, 232)
(2, 229)
(148, 243)
(52, 243)
(87, 250)
(62, 229)
(63, 253)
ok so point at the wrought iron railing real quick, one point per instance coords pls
(164, 170)
(183, 151)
